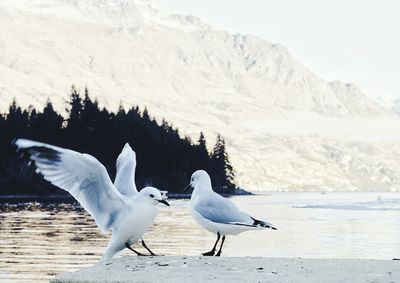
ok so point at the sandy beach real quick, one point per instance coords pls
(235, 269)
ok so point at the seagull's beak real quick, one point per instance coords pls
(187, 187)
(164, 202)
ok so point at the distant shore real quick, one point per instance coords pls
(23, 198)
(14, 199)
(235, 269)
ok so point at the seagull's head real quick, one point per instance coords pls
(199, 179)
(152, 196)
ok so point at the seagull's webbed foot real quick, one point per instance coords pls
(136, 252)
(150, 251)
(210, 253)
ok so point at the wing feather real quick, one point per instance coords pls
(125, 177)
(221, 210)
(82, 175)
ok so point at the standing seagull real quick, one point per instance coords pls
(86, 179)
(218, 214)
(125, 179)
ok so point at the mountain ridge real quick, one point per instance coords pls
(195, 76)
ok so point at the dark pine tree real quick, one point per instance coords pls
(46, 126)
(75, 108)
(202, 155)
(15, 178)
(221, 167)
(164, 159)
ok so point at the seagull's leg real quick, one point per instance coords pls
(113, 247)
(220, 248)
(136, 252)
(212, 252)
(145, 246)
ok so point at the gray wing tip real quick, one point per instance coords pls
(34, 150)
(19, 142)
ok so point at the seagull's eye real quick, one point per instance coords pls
(151, 195)
(192, 179)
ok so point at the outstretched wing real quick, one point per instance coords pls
(126, 166)
(221, 210)
(82, 175)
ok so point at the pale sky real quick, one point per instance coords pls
(352, 41)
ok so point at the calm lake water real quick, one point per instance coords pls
(37, 243)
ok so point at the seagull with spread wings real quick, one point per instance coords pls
(124, 211)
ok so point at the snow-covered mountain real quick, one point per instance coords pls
(286, 128)
(391, 103)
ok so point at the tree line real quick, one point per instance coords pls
(164, 159)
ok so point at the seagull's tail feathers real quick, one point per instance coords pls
(263, 224)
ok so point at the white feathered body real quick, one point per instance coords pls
(198, 198)
(130, 226)
(216, 213)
